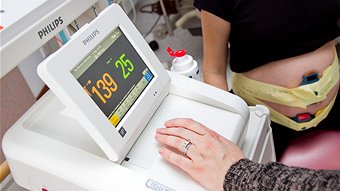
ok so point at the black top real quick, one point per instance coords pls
(247, 175)
(267, 30)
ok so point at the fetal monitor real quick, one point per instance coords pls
(95, 128)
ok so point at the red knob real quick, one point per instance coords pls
(179, 53)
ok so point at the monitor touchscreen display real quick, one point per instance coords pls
(114, 75)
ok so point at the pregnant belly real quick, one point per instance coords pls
(289, 73)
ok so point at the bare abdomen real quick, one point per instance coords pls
(289, 72)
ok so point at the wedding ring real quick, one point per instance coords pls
(186, 147)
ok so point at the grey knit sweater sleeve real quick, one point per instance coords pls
(247, 175)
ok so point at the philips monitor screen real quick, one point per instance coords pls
(114, 76)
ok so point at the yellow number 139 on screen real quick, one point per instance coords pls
(108, 86)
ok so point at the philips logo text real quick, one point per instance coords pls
(50, 27)
(90, 37)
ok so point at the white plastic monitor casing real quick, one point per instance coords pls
(46, 148)
(55, 71)
(22, 21)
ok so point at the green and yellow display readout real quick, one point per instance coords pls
(114, 76)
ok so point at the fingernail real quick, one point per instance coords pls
(160, 130)
(157, 136)
(160, 151)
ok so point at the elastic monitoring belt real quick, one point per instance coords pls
(252, 91)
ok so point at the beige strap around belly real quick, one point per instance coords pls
(287, 122)
(254, 91)
(301, 96)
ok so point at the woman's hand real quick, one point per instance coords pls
(206, 158)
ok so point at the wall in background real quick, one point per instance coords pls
(16, 98)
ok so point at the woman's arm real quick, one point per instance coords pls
(215, 49)
(248, 175)
(217, 163)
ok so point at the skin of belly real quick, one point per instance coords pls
(277, 73)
